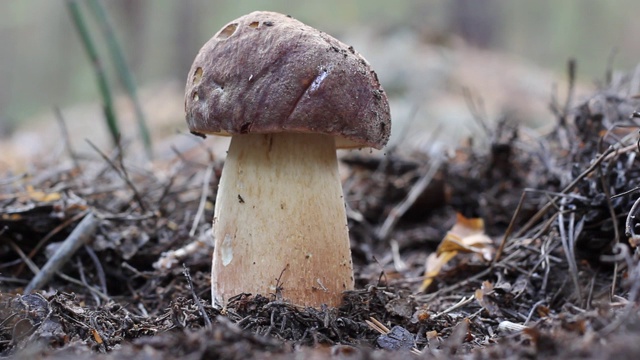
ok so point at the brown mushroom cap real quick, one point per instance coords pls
(268, 73)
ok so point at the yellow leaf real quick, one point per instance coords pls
(466, 236)
(451, 242)
(41, 196)
(467, 226)
(12, 217)
(434, 264)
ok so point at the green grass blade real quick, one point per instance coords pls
(124, 73)
(103, 85)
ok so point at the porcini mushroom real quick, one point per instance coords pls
(289, 95)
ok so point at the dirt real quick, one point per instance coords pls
(561, 279)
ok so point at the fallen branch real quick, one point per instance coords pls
(78, 237)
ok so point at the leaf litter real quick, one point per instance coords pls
(525, 247)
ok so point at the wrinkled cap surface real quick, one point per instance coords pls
(267, 73)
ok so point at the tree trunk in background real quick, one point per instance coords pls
(476, 21)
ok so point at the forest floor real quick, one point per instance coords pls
(522, 246)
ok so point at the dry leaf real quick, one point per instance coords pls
(41, 196)
(465, 236)
(483, 297)
(434, 264)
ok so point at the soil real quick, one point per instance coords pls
(561, 279)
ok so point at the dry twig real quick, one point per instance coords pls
(123, 175)
(81, 235)
(400, 209)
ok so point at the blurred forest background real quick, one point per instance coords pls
(42, 62)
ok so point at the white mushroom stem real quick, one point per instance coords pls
(279, 224)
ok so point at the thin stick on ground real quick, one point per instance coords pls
(533, 309)
(535, 218)
(464, 301)
(123, 175)
(52, 233)
(429, 297)
(65, 137)
(509, 230)
(629, 226)
(99, 269)
(33, 267)
(568, 242)
(196, 300)
(93, 290)
(629, 306)
(382, 329)
(418, 188)
(616, 231)
(80, 236)
(377, 325)
(83, 278)
(203, 199)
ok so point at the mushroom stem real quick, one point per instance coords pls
(280, 225)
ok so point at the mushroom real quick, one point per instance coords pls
(288, 95)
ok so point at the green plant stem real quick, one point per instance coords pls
(103, 85)
(124, 73)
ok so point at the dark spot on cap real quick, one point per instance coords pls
(268, 23)
(245, 128)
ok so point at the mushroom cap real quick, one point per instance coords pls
(268, 73)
